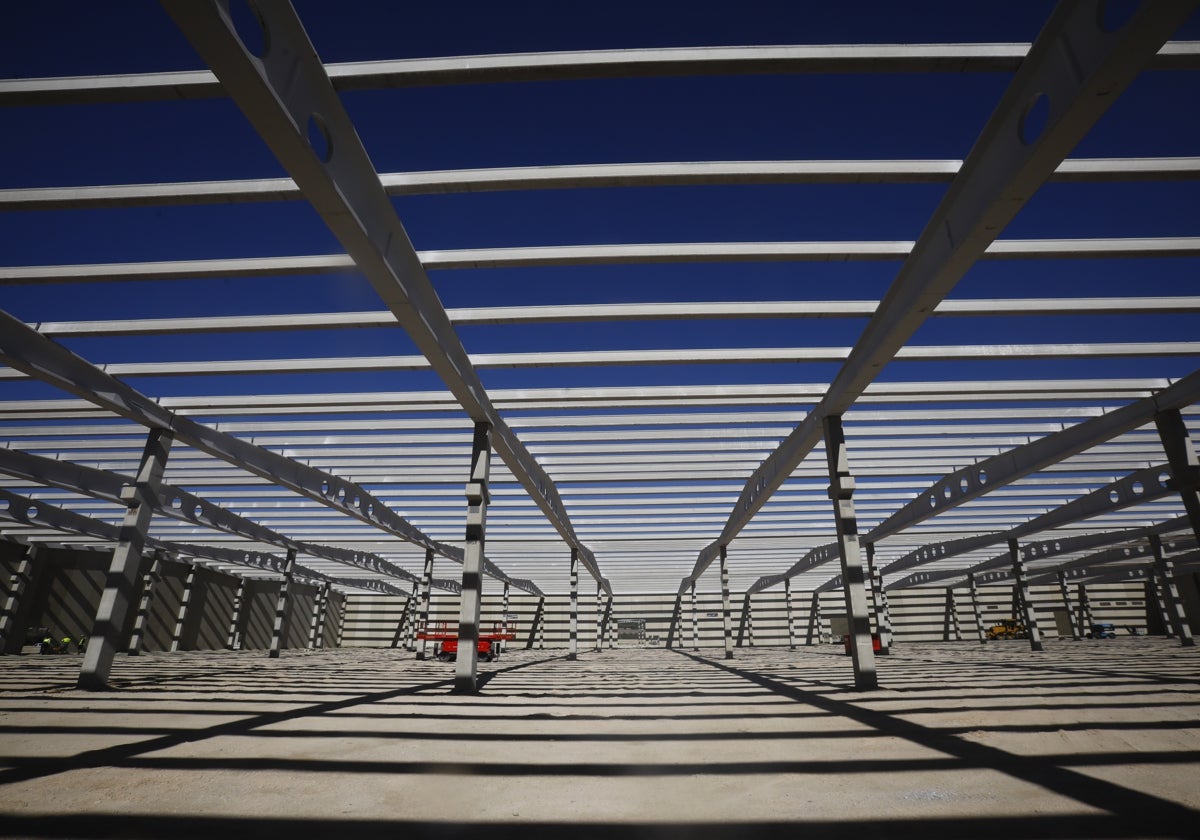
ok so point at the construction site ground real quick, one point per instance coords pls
(1089, 739)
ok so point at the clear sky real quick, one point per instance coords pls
(795, 117)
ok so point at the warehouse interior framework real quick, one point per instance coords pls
(903, 461)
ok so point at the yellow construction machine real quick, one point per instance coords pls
(1007, 628)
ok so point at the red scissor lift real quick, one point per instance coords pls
(444, 635)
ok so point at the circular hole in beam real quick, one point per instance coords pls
(249, 26)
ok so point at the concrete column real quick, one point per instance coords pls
(676, 625)
(883, 616)
(1085, 608)
(1160, 601)
(397, 639)
(975, 610)
(411, 616)
(12, 630)
(535, 627)
(610, 623)
(281, 605)
(108, 629)
(952, 612)
(1021, 592)
(744, 621)
(541, 623)
(841, 492)
(323, 615)
(504, 619)
(315, 620)
(189, 585)
(341, 629)
(138, 636)
(750, 618)
(573, 651)
(233, 640)
(886, 637)
(695, 621)
(426, 583)
(466, 664)
(791, 618)
(726, 612)
(1185, 467)
(1166, 570)
(599, 617)
(814, 620)
(1066, 596)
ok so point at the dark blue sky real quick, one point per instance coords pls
(734, 118)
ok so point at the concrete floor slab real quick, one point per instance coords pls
(961, 740)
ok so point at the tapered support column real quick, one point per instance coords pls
(1175, 611)
(726, 612)
(411, 616)
(341, 627)
(541, 624)
(599, 617)
(426, 583)
(885, 633)
(883, 615)
(397, 639)
(955, 631)
(1021, 593)
(138, 636)
(535, 626)
(750, 618)
(975, 610)
(504, 620)
(1085, 609)
(233, 641)
(610, 623)
(841, 492)
(1185, 467)
(791, 616)
(573, 651)
(281, 605)
(323, 615)
(185, 602)
(676, 625)
(695, 620)
(466, 664)
(12, 630)
(814, 620)
(1160, 602)
(106, 636)
(744, 621)
(315, 619)
(1066, 596)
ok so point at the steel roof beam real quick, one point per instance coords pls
(1076, 70)
(615, 312)
(576, 176)
(288, 99)
(1139, 487)
(626, 254)
(1047, 547)
(585, 64)
(36, 513)
(625, 358)
(26, 350)
(175, 503)
(973, 481)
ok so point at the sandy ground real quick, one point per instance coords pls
(1087, 739)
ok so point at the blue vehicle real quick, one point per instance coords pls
(1103, 630)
